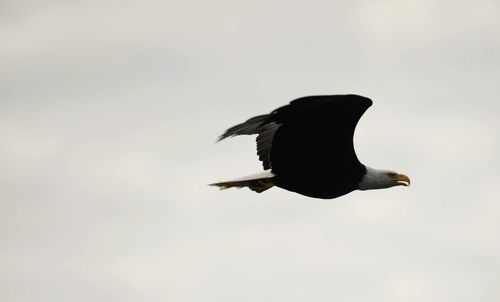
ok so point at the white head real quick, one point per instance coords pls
(381, 179)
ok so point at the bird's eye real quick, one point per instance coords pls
(391, 174)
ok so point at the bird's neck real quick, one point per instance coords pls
(374, 179)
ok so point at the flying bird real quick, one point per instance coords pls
(307, 147)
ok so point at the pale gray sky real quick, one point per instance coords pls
(108, 115)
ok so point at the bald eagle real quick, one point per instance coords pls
(307, 147)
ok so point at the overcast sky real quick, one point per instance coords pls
(109, 111)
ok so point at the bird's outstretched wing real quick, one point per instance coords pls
(308, 135)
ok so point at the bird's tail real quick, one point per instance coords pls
(257, 182)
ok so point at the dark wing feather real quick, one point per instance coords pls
(251, 126)
(312, 152)
(265, 142)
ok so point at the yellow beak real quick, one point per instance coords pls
(402, 179)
